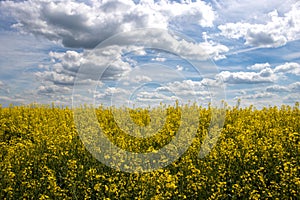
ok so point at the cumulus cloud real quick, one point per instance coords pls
(264, 76)
(6, 100)
(259, 99)
(69, 60)
(277, 31)
(57, 78)
(134, 80)
(295, 87)
(179, 67)
(86, 23)
(289, 67)
(248, 10)
(291, 88)
(277, 88)
(109, 92)
(116, 96)
(108, 62)
(142, 78)
(159, 59)
(50, 89)
(65, 66)
(259, 66)
(155, 97)
(261, 95)
(193, 90)
(185, 86)
(261, 38)
(185, 91)
(79, 24)
(168, 41)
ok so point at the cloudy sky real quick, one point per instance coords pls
(149, 51)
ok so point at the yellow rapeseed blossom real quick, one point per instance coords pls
(256, 155)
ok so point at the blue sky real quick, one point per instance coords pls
(144, 52)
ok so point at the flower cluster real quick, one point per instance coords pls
(257, 155)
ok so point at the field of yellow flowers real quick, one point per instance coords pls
(257, 156)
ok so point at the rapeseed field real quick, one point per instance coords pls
(256, 156)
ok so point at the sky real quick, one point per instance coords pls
(144, 52)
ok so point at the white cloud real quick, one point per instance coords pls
(181, 85)
(52, 89)
(127, 76)
(259, 66)
(259, 99)
(155, 97)
(159, 59)
(264, 76)
(69, 60)
(262, 95)
(6, 100)
(109, 58)
(79, 24)
(184, 91)
(213, 83)
(291, 88)
(142, 78)
(114, 90)
(197, 12)
(190, 90)
(179, 67)
(277, 31)
(170, 42)
(60, 75)
(85, 66)
(134, 79)
(57, 78)
(248, 10)
(116, 96)
(289, 67)
(277, 88)
(295, 87)
(215, 50)
(86, 23)
(267, 72)
(271, 95)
